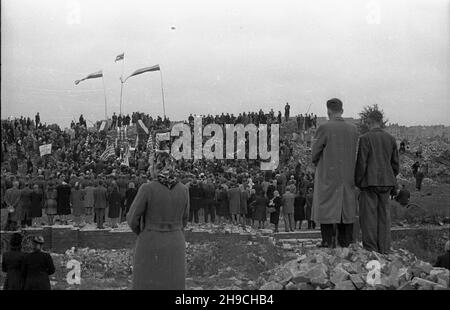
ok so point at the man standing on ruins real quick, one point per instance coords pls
(377, 166)
(334, 155)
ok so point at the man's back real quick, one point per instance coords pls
(378, 161)
(335, 143)
(100, 197)
(334, 154)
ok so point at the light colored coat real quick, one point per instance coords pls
(334, 154)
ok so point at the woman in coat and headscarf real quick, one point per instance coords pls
(12, 264)
(37, 267)
(158, 216)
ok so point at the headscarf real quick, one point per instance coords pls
(167, 175)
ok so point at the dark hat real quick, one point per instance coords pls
(38, 239)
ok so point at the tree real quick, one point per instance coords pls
(362, 125)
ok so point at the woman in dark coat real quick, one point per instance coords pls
(158, 216)
(275, 216)
(37, 203)
(37, 267)
(299, 210)
(129, 197)
(309, 203)
(115, 203)
(260, 204)
(12, 264)
(63, 201)
(222, 200)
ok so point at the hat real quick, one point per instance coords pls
(38, 239)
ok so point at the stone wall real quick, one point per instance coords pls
(61, 238)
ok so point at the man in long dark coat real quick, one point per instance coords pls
(100, 203)
(334, 155)
(377, 166)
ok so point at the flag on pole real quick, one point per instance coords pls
(119, 57)
(143, 70)
(94, 75)
(110, 151)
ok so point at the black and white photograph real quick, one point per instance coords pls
(225, 150)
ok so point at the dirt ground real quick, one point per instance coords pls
(227, 264)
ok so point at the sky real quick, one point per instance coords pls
(226, 56)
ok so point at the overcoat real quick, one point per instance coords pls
(115, 203)
(158, 216)
(12, 265)
(77, 200)
(234, 198)
(334, 155)
(37, 267)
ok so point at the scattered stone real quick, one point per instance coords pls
(291, 287)
(422, 283)
(339, 275)
(272, 286)
(319, 282)
(345, 285)
(357, 281)
(423, 267)
(342, 252)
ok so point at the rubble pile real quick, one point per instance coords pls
(225, 228)
(99, 263)
(346, 269)
(435, 153)
(201, 259)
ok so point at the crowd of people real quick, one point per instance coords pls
(73, 180)
(159, 197)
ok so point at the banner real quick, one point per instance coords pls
(102, 126)
(45, 149)
(162, 137)
(141, 123)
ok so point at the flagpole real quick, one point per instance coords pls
(121, 84)
(121, 90)
(162, 92)
(104, 92)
